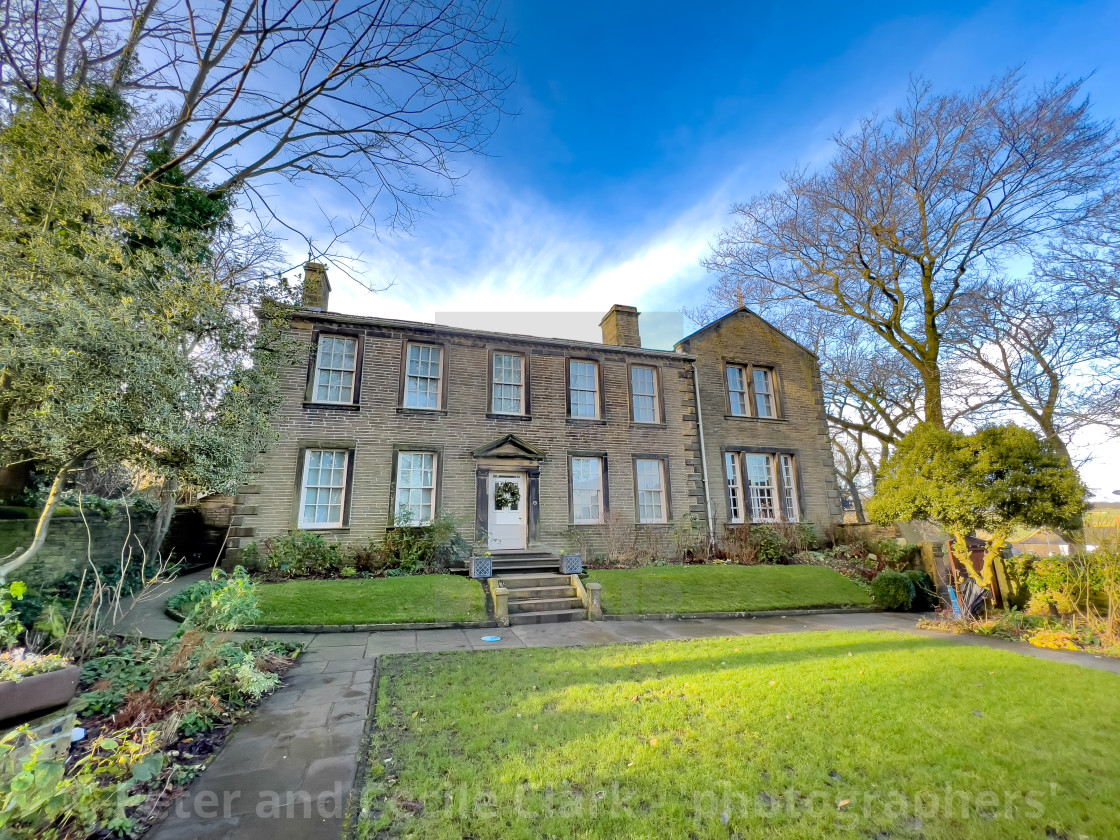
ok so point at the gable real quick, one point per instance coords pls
(727, 320)
(508, 446)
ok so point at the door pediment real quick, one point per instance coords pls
(509, 447)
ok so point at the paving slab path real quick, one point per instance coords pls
(289, 771)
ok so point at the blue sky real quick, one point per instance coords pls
(638, 124)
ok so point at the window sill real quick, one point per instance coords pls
(757, 419)
(660, 524)
(496, 415)
(587, 524)
(338, 406)
(585, 421)
(634, 424)
(323, 527)
(422, 412)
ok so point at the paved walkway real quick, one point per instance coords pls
(147, 617)
(287, 773)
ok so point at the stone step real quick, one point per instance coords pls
(530, 580)
(520, 567)
(524, 593)
(537, 605)
(548, 617)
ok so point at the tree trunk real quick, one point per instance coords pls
(857, 502)
(168, 495)
(931, 382)
(45, 517)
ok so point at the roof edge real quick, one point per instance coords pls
(426, 326)
(754, 314)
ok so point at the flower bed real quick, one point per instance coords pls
(1041, 631)
(154, 714)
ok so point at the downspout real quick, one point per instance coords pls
(703, 459)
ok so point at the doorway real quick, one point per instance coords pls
(507, 521)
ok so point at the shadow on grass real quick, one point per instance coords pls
(679, 662)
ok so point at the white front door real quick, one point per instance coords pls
(508, 504)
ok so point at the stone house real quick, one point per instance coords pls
(539, 444)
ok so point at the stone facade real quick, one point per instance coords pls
(470, 441)
(799, 427)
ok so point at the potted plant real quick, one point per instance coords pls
(32, 682)
(29, 682)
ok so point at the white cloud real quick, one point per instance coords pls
(492, 250)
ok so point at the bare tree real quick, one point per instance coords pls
(918, 208)
(378, 99)
(1039, 352)
(1085, 261)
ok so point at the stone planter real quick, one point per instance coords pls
(482, 567)
(571, 564)
(34, 694)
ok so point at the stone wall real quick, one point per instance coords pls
(379, 427)
(744, 338)
(69, 545)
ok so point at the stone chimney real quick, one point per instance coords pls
(620, 327)
(316, 287)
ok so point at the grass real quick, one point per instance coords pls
(418, 598)
(701, 589)
(857, 734)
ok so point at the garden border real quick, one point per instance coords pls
(741, 614)
(351, 628)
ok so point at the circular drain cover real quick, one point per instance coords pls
(491, 638)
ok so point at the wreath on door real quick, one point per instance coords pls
(506, 495)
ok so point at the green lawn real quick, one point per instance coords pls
(380, 601)
(700, 589)
(861, 734)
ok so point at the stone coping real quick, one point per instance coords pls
(742, 614)
(367, 628)
(353, 628)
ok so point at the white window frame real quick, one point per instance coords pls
(761, 494)
(734, 487)
(593, 391)
(660, 491)
(495, 383)
(765, 402)
(306, 487)
(420, 519)
(419, 377)
(343, 378)
(596, 497)
(653, 396)
(791, 508)
(738, 397)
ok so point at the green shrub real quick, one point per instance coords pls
(895, 555)
(296, 555)
(231, 604)
(1064, 583)
(44, 797)
(770, 545)
(18, 512)
(1018, 571)
(184, 601)
(10, 626)
(925, 593)
(411, 550)
(892, 590)
(805, 537)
